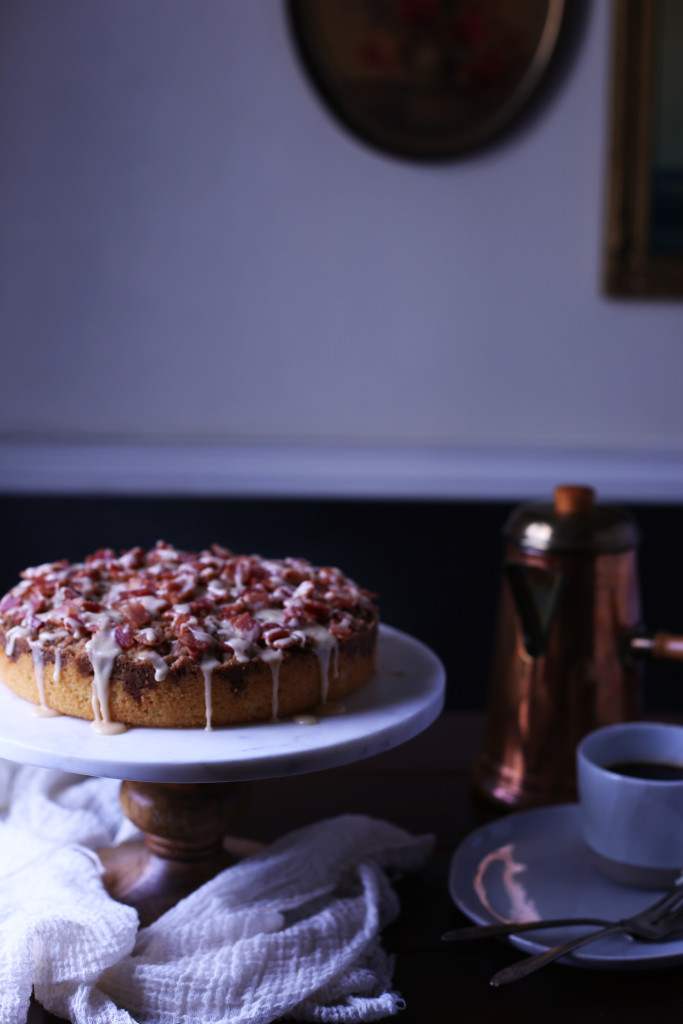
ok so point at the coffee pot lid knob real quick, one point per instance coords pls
(573, 499)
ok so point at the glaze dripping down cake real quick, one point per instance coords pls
(180, 639)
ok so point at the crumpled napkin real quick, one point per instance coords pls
(293, 930)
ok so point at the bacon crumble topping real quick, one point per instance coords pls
(184, 605)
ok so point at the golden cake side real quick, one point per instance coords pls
(240, 693)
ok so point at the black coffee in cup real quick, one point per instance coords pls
(656, 770)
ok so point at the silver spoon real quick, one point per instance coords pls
(485, 931)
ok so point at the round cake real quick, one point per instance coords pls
(181, 639)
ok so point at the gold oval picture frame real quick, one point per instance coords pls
(426, 79)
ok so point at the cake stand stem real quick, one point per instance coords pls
(184, 827)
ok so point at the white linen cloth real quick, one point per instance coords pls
(293, 930)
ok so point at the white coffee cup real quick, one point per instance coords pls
(633, 824)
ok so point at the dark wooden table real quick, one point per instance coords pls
(424, 787)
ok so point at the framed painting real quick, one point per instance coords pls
(644, 235)
(426, 79)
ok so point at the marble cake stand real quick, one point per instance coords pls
(164, 771)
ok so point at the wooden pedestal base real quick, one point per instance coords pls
(184, 845)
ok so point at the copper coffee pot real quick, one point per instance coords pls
(569, 645)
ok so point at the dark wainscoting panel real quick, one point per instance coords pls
(435, 565)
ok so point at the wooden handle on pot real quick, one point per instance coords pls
(662, 646)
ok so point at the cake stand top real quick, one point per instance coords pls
(404, 696)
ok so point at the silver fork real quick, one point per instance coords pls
(654, 924)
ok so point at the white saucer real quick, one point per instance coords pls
(404, 696)
(533, 865)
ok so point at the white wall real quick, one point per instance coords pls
(192, 250)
